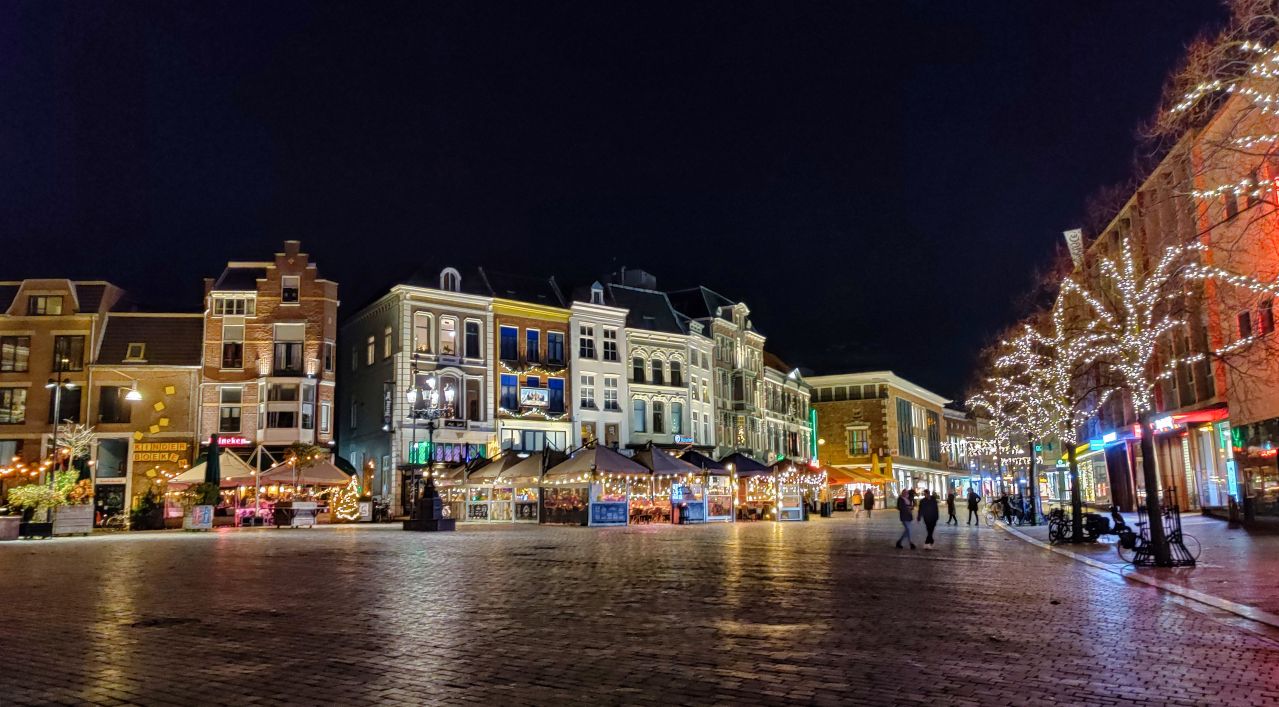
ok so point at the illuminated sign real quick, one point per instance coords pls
(172, 452)
(1163, 424)
(1096, 444)
(683, 439)
(1109, 437)
(535, 397)
(234, 441)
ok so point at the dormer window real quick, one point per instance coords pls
(450, 280)
(136, 353)
(290, 286)
(44, 305)
(597, 293)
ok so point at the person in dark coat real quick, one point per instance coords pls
(950, 507)
(905, 513)
(1006, 503)
(929, 513)
(868, 501)
(973, 500)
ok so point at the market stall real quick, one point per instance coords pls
(678, 487)
(596, 477)
(295, 495)
(505, 489)
(719, 486)
(756, 487)
(795, 485)
(237, 481)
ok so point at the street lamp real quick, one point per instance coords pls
(57, 386)
(425, 405)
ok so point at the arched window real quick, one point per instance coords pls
(451, 396)
(450, 280)
(421, 332)
(658, 377)
(677, 373)
(597, 293)
(639, 417)
(637, 369)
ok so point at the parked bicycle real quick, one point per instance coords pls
(1136, 548)
(119, 521)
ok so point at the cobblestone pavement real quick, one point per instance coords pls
(821, 612)
(1234, 563)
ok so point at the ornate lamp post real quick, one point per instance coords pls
(424, 404)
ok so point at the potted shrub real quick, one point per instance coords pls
(36, 501)
(148, 510)
(198, 503)
(74, 516)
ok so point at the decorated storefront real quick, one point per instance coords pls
(679, 488)
(505, 490)
(597, 477)
(756, 487)
(719, 486)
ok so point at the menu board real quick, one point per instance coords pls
(608, 513)
(477, 511)
(525, 510)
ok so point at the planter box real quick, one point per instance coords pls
(9, 527)
(31, 529)
(73, 520)
(198, 518)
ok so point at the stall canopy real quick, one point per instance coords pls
(234, 472)
(321, 473)
(703, 462)
(835, 475)
(599, 458)
(660, 462)
(744, 465)
(509, 468)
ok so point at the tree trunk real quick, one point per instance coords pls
(1158, 541)
(1032, 490)
(1076, 498)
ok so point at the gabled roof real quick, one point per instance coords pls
(645, 309)
(698, 302)
(774, 362)
(169, 339)
(521, 288)
(240, 278)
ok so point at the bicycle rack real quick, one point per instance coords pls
(1179, 554)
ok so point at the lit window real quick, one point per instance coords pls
(290, 285)
(448, 336)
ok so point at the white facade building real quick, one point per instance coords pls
(599, 358)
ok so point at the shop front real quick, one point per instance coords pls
(679, 487)
(505, 490)
(718, 481)
(598, 476)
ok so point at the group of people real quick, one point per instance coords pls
(929, 513)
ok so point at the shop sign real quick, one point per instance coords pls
(1096, 444)
(535, 397)
(170, 452)
(1109, 437)
(1163, 424)
(683, 439)
(608, 513)
(234, 441)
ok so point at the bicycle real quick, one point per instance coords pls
(1135, 547)
(119, 521)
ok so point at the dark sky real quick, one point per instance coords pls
(876, 180)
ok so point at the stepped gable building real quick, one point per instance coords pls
(270, 353)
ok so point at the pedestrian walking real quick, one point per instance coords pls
(857, 503)
(950, 507)
(1006, 503)
(868, 501)
(929, 513)
(905, 513)
(973, 500)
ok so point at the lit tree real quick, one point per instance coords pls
(346, 502)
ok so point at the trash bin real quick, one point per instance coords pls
(826, 509)
(681, 514)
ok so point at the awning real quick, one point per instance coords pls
(320, 473)
(599, 459)
(743, 465)
(703, 462)
(235, 472)
(509, 468)
(661, 463)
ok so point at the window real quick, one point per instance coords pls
(474, 346)
(637, 370)
(677, 374)
(281, 419)
(639, 416)
(473, 400)
(869, 392)
(509, 346)
(658, 377)
(659, 413)
(510, 393)
(388, 342)
(229, 398)
(233, 346)
(1265, 317)
(555, 386)
(370, 350)
(586, 341)
(66, 409)
(610, 394)
(289, 286)
(355, 408)
(44, 305)
(13, 406)
(326, 417)
(135, 352)
(68, 353)
(858, 440)
(532, 345)
(610, 344)
(328, 354)
(355, 357)
(1232, 204)
(234, 306)
(308, 407)
(555, 348)
(450, 280)
(706, 398)
(677, 419)
(287, 351)
(597, 294)
(448, 336)
(586, 392)
(1245, 324)
(1254, 190)
(282, 393)
(112, 406)
(421, 332)
(15, 354)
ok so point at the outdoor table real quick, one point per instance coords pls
(295, 514)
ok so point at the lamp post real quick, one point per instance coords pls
(424, 404)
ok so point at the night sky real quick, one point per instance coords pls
(877, 182)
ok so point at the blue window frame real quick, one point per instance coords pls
(532, 339)
(510, 392)
(555, 348)
(556, 397)
(510, 349)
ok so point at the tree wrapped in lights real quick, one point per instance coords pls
(346, 502)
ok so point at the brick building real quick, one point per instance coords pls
(270, 353)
